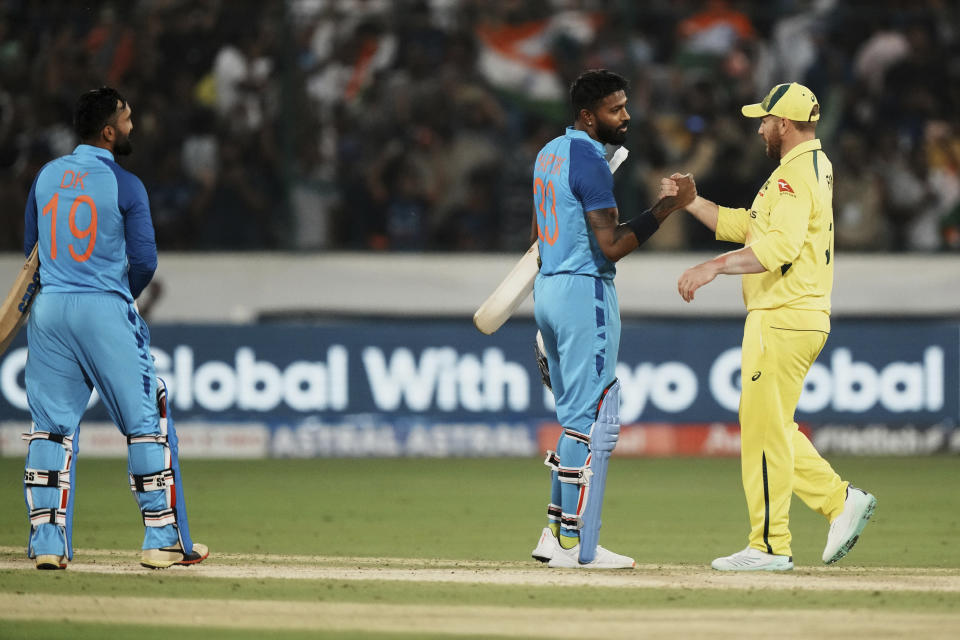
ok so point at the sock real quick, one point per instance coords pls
(569, 542)
(555, 527)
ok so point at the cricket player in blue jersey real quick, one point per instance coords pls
(580, 236)
(91, 220)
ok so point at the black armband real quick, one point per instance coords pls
(644, 226)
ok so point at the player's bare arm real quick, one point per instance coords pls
(702, 209)
(734, 262)
(617, 239)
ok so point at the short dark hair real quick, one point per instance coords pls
(805, 127)
(95, 109)
(593, 86)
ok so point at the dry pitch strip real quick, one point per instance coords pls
(522, 620)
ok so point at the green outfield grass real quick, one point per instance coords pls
(673, 510)
(670, 512)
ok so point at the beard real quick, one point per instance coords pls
(611, 135)
(122, 146)
(774, 142)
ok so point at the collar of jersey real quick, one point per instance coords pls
(803, 147)
(582, 135)
(97, 151)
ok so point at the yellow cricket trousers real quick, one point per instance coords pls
(779, 346)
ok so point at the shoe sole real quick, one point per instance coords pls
(788, 567)
(540, 558)
(50, 562)
(197, 560)
(591, 567)
(848, 545)
(184, 562)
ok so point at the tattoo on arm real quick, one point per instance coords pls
(615, 239)
(663, 208)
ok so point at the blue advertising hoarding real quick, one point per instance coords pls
(891, 372)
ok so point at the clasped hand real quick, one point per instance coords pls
(679, 190)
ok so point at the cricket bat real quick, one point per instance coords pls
(518, 284)
(16, 307)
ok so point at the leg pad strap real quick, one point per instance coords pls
(569, 475)
(48, 516)
(153, 438)
(554, 513)
(552, 460)
(575, 475)
(576, 435)
(66, 441)
(159, 518)
(571, 521)
(152, 482)
(46, 478)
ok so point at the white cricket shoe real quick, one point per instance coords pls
(547, 547)
(605, 559)
(751, 559)
(169, 556)
(846, 528)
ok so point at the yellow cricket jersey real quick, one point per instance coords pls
(789, 226)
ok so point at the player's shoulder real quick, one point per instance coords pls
(800, 173)
(585, 149)
(553, 145)
(123, 176)
(806, 165)
(114, 166)
(586, 157)
(51, 165)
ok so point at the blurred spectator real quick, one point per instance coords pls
(473, 224)
(110, 45)
(412, 125)
(173, 197)
(858, 194)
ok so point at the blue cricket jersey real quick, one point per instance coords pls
(570, 178)
(92, 220)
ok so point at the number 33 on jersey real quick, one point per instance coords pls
(571, 177)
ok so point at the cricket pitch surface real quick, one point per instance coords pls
(519, 620)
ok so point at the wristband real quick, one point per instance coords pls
(644, 226)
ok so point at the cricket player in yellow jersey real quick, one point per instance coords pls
(787, 267)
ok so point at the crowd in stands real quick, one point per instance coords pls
(412, 125)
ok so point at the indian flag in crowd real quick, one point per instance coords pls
(519, 57)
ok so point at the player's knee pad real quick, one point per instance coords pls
(603, 439)
(154, 469)
(47, 481)
(571, 464)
